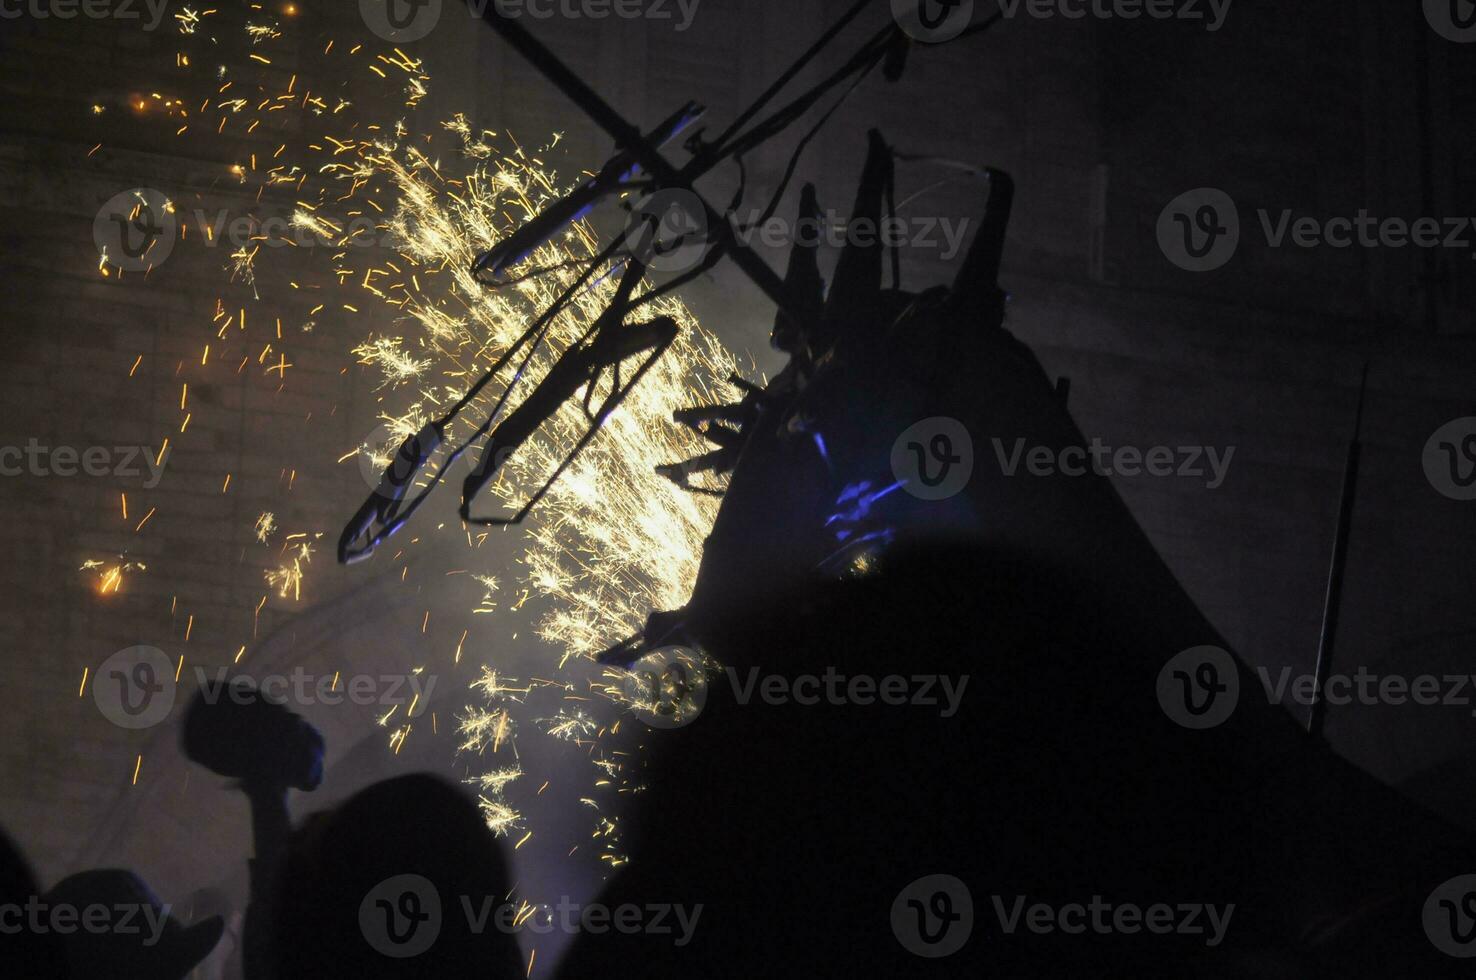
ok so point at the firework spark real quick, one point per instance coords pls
(403, 215)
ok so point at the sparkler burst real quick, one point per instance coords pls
(613, 540)
(403, 215)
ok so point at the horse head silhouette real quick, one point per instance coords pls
(1063, 776)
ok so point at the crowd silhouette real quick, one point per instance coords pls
(797, 828)
(313, 909)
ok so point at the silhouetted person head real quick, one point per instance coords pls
(116, 927)
(376, 888)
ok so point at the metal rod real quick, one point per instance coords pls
(791, 73)
(1332, 601)
(628, 137)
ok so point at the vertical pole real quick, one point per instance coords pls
(1332, 601)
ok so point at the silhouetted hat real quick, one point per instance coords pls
(137, 952)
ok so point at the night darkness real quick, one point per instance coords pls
(705, 488)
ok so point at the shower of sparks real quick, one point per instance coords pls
(243, 267)
(189, 21)
(482, 729)
(110, 573)
(495, 780)
(613, 540)
(488, 602)
(262, 32)
(286, 578)
(383, 223)
(500, 817)
(494, 688)
(569, 725)
(395, 364)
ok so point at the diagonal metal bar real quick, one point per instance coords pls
(628, 137)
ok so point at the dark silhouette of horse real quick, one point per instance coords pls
(1062, 784)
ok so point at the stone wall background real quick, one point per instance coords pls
(1322, 107)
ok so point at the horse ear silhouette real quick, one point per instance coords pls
(977, 286)
(794, 329)
(855, 295)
